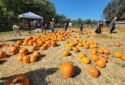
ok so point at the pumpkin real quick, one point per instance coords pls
(101, 63)
(26, 59)
(43, 47)
(67, 69)
(19, 42)
(33, 48)
(36, 54)
(85, 60)
(94, 51)
(20, 58)
(66, 53)
(118, 54)
(81, 55)
(123, 57)
(18, 80)
(14, 50)
(95, 57)
(75, 49)
(23, 51)
(33, 59)
(53, 43)
(2, 54)
(30, 43)
(117, 44)
(100, 50)
(93, 72)
(106, 51)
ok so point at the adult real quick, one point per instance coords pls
(81, 28)
(112, 24)
(66, 25)
(29, 26)
(99, 27)
(52, 25)
(16, 29)
(42, 25)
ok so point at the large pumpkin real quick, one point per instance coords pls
(67, 69)
(93, 72)
(23, 51)
(19, 80)
(2, 54)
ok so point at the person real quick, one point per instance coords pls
(81, 28)
(112, 24)
(52, 25)
(66, 25)
(16, 28)
(42, 25)
(99, 27)
(29, 26)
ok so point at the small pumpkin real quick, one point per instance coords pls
(117, 44)
(85, 60)
(26, 59)
(93, 72)
(100, 50)
(75, 49)
(67, 69)
(95, 57)
(18, 80)
(101, 63)
(14, 50)
(123, 57)
(53, 43)
(33, 59)
(81, 55)
(23, 51)
(19, 42)
(33, 48)
(2, 54)
(66, 53)
(20, 58)
(36, 54)
(118, 54)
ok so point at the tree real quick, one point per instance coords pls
(42, 7)
(115, 8)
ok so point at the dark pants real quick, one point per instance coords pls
(81, 30)
(66, 27)
(112, 29)
(98, 31)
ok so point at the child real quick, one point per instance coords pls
(16, 28)
(81, 28)
(99, 27)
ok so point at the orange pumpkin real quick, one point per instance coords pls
(20, 58)
(19, 42)
(81, 55)
(95, 57)
(101, 63)
(26, 59)
(118, 54)
(53, 43)
(36, 54)
(117, 44)
(85, 60)
(123, 57)
(33, 59)
(75, 49)
(23, 51)
(94, 51)
(93, 72)
(106, 51)
(100, 50)
(18, 80)
(14, 50)
(67, 69)
(33, 48)
(2, 54)
(66, 53)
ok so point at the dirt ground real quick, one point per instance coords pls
(46, 70)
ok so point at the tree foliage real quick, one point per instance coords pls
(115, 8)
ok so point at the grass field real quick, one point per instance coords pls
(46, 70)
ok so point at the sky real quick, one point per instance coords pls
(85, 9)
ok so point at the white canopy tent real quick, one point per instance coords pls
(30, 15)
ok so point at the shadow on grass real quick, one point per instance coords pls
(77, 71)
(36, 77)
(2, 61)
(14, 40)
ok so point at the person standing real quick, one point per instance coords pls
(112, 24)
(66, 25)
(99, 27)
(16, 28)
(81, 28)
(52, 25)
